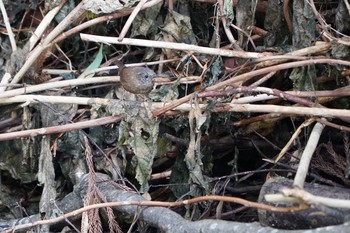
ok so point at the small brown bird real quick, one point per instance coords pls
(137, 80)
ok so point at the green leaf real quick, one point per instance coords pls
(95, 64)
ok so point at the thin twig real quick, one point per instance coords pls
(59, 128)
(71, 17)
(44, 23)
(131, 19)
(8, 26)
(347, 6)
(247, 76)
(4, 82)
(65, 83)
(101, 19)
(294, 136)
(185, 107)
(163, 204)
(224, 24)
(343, 91)
(171, 45)
(316, 200)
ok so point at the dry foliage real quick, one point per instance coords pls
(239, 87)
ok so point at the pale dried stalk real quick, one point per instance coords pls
(131, 19)
(185, 107)
(59, 128)
(247, 76)
(65, 83)
(71, 17)
(294, 136)
(316, 200)
(4, 82)
(171, 45)
(8, 26)
(45, 22)
(307, 155)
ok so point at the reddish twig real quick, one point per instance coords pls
(245, 77)
(59, 128)
(287, 16)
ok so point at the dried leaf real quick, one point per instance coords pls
(193, 157)
(143, 141)
(107, 6)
